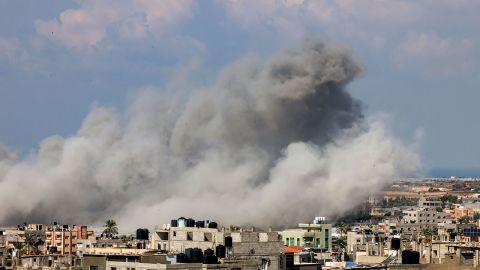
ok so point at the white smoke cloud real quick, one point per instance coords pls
(267, 144)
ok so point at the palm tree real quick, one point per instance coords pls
(344, 228)
(19, 246)
(110, 228)
(29, 241)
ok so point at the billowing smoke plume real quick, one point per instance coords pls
(271, 143)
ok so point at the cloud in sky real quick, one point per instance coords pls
(376, 24)
(433, 55)
(11, 50)
(343, 17)
(94, 21)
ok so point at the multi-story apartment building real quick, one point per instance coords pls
(427, 214)
(371, 242)
(63, 240)
(245, 244)
(310, 235)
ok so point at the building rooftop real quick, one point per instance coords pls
(292, 249)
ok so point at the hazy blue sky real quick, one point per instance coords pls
(59, 57)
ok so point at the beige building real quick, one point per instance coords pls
(246, 244)
(177, 239)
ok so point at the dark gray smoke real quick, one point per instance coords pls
(268, 144)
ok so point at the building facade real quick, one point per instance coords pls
(309, 235)
(427, 214)
(64, 240)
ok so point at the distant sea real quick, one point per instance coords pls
(458, 172)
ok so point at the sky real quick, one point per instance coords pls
(421, 59)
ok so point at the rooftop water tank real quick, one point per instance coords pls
(182, 222)
(219, 251)
(228, 241)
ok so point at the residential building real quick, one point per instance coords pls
(309, 235)
(427, 214)
(246, 243)
(63, 240)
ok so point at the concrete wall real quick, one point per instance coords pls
(181, 238)
(123, 251)
(127, 265)
(97, 261)
(369, 259)
(244, 265)
(449, 262)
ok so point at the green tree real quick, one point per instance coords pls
(342, 243)
(29, 242)
(427, 235)
(234, 228)
(19, 247)
(465, 220)
(126, 237)
(111, 228)
(343, 228)
(448, 199)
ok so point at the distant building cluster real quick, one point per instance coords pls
(424, 230)
(182, 244)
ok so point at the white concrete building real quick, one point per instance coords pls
(426, 214)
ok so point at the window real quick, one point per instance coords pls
(113, 268)
(189, 236)
(298, 241)
(93, 267)
(174, 233)
(207, 237)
